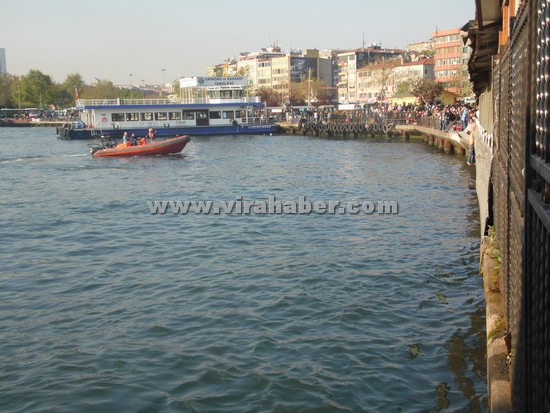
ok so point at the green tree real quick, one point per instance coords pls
(427, 89)
(73, 83)
(7, 97)
(403, 87)
(37, 89)
(104, 89)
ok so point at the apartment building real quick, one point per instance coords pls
(451, 58)
(350, 61)
(3, 62)
(381, 79)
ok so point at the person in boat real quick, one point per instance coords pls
(151, 135)
(126, 138)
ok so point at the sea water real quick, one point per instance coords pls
(108, 307)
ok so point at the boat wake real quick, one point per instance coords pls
(39, 157)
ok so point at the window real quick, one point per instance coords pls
(239, 114)
(174, 115)
(117, 117)
(188, 115)
(228, 114)
(132, 117)
(215, 114)
(147, 116)
(161, 116)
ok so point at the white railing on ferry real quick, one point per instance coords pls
(82, 103)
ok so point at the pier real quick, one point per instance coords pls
(448, 141)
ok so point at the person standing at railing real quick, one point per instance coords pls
(464, 118)
(471, 131)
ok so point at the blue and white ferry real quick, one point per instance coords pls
(206, 106)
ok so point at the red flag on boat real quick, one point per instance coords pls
(76, 93)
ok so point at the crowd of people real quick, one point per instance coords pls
(445, 116)
(450, 117)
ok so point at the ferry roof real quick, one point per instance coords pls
(163, 104)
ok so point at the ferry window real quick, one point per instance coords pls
(201, 115)
(215, 114)
(117, 117)
(239, 114)
(147, 116)
(161, 116)
(188, 115)
(228, 114)
(174, 115)
(132, 117)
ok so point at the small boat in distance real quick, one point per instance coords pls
(205, 106)
(165, 147)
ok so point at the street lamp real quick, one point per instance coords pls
(162, 87)
(130, 80)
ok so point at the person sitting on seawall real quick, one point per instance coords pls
(471, 131)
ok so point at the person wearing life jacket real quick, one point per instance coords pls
(126, 139)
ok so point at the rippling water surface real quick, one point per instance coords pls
(105, 307)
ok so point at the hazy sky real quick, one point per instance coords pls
(111, 39)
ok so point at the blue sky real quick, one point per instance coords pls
(109, 39)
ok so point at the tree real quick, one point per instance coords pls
(37, 89)
(270, 97)
(74, 83)
(385, 75)
(7, 86)
(463, 84)
(403, 87)
(103, 89)
(427, 89)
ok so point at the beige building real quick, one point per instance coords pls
(274, 69)
(348, 63)
(380, 80)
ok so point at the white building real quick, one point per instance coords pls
(420, 69)
(380, 80)
(3, 62)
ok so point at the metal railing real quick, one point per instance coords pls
(81, 103)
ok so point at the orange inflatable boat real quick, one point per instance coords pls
(164, 147)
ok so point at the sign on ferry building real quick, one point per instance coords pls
(213, 81)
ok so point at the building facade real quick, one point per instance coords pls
(380, 80)
(349, 62)
(3, 62)
(276, 70)
(451, 58)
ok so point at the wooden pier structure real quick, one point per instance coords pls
(450, 142)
